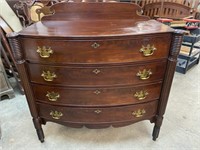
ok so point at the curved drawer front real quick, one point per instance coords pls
(97, 76)
(98, 115)
(104, 51)
(96, 96)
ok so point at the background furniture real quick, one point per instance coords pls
(117, 70)
(190, 3)
(176, 14)
(190, 52)
(8, 15)
(22, 10)
(7, 56)
(33, 10)
(5, 87)
(167, 10)
(170, 13)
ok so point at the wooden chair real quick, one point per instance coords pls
(26, 10)
(188, 3)
(167, 10)
(173, 14)
(21, 9)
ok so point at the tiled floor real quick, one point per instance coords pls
(180, 130)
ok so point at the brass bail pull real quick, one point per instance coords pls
(48, 76)
(44, 52)
(139, 113)
(141, 95)
(147, 50)
(145, 74)
(56, 114)
(52, 96)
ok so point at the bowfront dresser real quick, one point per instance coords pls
(96, 65)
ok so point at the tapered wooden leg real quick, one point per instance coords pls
(38, 127)
(156, 131)
(40, 135)
(156, 128)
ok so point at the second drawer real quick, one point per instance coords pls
(97, 76)
(96, 96)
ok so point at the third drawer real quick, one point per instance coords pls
(97, 96)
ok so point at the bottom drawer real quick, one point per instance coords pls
(98, 115)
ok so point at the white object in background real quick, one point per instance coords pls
(9, 16)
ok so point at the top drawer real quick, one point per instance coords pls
(96, 51)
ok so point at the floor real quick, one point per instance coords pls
(180, 129)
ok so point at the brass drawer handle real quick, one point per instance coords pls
(44, 52)
(139, 113)
(48, 76)
(56, 114)
(141, 95)
(145, 74)
(95, 45)
(52, 96)
(96, 71)
(148, 50)
(97, 111)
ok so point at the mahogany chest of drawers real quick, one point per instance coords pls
(96, 65)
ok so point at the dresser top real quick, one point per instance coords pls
(76, 20)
